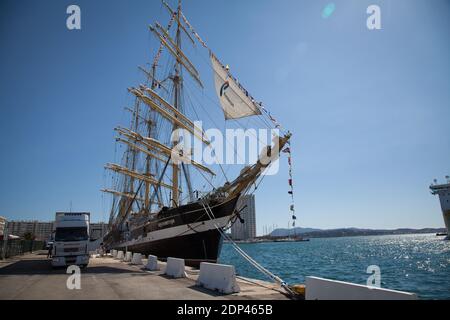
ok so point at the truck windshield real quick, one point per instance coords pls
(71, 234)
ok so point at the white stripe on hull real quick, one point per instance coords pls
(178, 231)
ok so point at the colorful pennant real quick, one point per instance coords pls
(291, 184)
(193, 31)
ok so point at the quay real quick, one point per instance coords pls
(31, 277)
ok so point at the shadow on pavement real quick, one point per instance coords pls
(34, 267)
(207, 291)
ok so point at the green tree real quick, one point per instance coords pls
(29, 236)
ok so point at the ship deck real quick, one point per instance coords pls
(32, 277)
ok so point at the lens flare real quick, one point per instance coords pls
(328, 10)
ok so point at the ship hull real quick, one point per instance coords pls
(193, 248)
(444, 197)
(186, 232)
(446, 214)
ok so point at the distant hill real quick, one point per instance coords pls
(287, 232)
(348, 232)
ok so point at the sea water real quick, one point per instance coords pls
(418, 263)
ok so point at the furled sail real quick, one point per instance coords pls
(235, 100)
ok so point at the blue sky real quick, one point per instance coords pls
(369, 110)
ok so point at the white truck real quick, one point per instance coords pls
(71, 242)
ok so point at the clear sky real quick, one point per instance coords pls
(369, 109)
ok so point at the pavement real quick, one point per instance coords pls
(31, 277)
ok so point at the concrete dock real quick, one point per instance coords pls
(32, 277)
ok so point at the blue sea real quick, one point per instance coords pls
(418, 263)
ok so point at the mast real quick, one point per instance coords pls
(125, 202)
(157, 154)
(149, 123)
(149, 177)
(133, 152)
(177, 89)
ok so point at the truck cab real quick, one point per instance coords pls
(71, 242)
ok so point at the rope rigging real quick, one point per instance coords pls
(162, 131)
(254, 263)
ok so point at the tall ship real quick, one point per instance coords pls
(164, 202)
(443, 191)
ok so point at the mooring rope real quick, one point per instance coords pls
(243, 253)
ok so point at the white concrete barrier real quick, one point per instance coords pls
(325, 289)
(114, 253)
(218, 277)
(128, 256)
(152, 263)
(137, 258)
(120, 255)
(175, 268)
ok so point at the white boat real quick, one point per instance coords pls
(443, 190)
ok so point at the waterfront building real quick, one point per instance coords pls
(2, 225)
(98, 230)
(40, 230)
(246, 230)
(43, 230)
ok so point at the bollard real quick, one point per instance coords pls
(175, 268)
(120, 255)
(152, 263)
(218, 277)
(137, 258)
(128, 256)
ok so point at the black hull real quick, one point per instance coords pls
(185, 232)
(193, 248)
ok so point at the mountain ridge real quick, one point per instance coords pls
(346, 232)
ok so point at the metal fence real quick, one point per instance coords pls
(15, 247)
